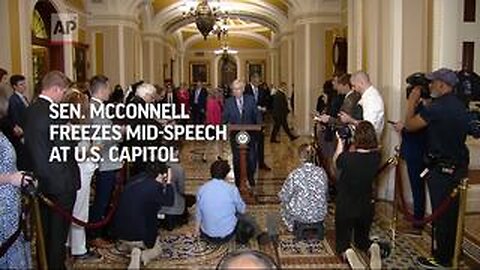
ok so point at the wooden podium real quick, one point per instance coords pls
(242, 138)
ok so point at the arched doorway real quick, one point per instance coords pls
(46, 55)
(227, 69)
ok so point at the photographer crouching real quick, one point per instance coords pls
(447, 156)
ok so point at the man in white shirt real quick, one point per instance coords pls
(371, 102)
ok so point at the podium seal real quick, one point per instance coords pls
(242, 137)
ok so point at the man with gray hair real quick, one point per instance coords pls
(371, 102)
(241, 109)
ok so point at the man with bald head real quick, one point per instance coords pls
(371, 102)
(246, 259)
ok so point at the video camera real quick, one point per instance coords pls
(29, 183)
(418, 79)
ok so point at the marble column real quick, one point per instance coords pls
(445, 45)
(309, 71)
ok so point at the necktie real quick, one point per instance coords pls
(25, 100)
(240, 106)
(197, 93)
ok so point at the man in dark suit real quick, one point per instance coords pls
(262, 99)
(17, 106)
(58, 180)
(280, 112)
(198, 102)
(242, 109)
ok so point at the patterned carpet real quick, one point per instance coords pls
(181, 249)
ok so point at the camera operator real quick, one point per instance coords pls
(412, 150)
(447, 156)
(371, 101)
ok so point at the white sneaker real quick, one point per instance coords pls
(135, 259)
(353, 259)
(375, 259)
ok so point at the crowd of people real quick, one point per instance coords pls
(152, 194)
(343, 167)
(350, 118)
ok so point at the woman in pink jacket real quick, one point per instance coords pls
(214, 117)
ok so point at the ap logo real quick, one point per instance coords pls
(64, 27)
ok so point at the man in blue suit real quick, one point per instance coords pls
(198, 102)
(242, 110)
(17, 106)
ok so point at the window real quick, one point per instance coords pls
(468, 55)
(469, 11)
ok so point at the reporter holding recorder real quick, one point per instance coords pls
(447, 156)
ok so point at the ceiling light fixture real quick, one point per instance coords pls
(206, 17)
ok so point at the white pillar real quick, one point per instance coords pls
(290, 79)
(151, 70)
(181, 59)
(121, 55)
(355, 35)
(68, 61)
(5, 54)
(445, 45)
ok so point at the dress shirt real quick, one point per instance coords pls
(240, 104)
(255, 92)
(197, 94)
(170, 98)
(49, 99)
(23, 98)
(373, 109)
(217, 204)
(304, 195)
(97, 100)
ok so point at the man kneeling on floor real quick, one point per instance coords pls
(220, 209)
(135, 223)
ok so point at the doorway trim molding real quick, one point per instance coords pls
(216, 61)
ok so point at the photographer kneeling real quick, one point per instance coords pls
(135, 222)
(357, 168)
(447, 156)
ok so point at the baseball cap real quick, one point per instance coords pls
(445, 75)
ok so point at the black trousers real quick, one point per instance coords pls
(173, 221)
(245, 229)
(445, 227)
(56, 228)
(276, 128)
(251, 159)
(415, 166)
(261, 147)
(198, 114)
(358, 227)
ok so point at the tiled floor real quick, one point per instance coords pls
(181, 249)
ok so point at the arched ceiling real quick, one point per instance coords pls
(234, 42)
(283, 5)
(272, 14)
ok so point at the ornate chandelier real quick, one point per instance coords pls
(206, 19)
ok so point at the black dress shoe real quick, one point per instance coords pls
(89, 256)
(293, 138)
(265, 167)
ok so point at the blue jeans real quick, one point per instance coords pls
(415, 166)
(103, 193)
